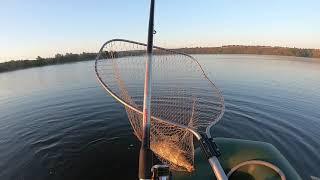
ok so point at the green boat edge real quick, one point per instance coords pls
(235, 151)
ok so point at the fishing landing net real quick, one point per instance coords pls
(183, 98)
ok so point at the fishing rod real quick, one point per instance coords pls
(145, 155)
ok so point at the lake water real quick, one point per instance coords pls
(56, 122)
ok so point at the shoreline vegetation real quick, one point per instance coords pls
(231, 49)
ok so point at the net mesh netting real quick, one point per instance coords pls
(182, 97)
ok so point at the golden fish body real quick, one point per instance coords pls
(172, 154)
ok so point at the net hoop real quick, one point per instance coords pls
(114, 95)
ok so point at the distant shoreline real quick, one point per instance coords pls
(231, 49)
(257, 50)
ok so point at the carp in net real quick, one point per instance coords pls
(184, 101)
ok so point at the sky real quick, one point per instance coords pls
(44, 28)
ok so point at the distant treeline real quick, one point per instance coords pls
(260, 50)
(231, 49)
(39, 61)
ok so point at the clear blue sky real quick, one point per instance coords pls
(45, 27)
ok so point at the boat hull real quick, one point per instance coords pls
(236, 151)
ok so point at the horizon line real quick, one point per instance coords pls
(187, 47)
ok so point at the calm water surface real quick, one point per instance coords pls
(56, 122)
